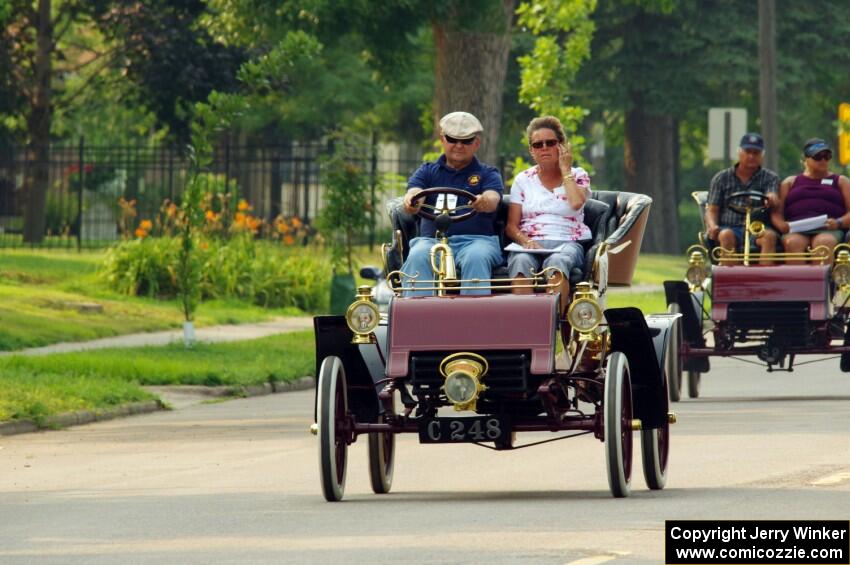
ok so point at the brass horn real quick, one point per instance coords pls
(756, 227)
(443, 264)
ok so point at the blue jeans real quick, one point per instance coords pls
(475, 256)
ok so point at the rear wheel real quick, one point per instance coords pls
(381, 459)
(693, 383)
(672, 361)
(618, 424)
(332, 413)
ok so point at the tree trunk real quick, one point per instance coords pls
(470, 74)
(38, 125)
(650, 168)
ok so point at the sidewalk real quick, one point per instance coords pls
(212, 334)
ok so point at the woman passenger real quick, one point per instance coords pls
(813, 193)
(546, 207)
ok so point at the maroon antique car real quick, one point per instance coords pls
(455, 368)
(746, 304)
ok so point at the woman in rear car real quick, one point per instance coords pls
(813, 193)
(546, 208)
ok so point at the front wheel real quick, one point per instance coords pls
(381, 459)
(332, 413)
(655, 448)
(693, 383)
(672, 360)
(618, 424)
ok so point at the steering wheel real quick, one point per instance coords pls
(746, 199)
(456, 214)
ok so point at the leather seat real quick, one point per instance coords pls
(611, 216)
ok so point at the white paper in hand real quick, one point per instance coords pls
(517, 248)
(807, 224)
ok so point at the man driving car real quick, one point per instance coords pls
(473, 241)
(725, 225)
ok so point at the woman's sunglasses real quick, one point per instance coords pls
(822, 156)
(547, 143)
(451, 140)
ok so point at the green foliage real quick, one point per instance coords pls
(241, 267)
(563, 30)
(143, 267)
(345, 215)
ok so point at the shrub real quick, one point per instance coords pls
(259, 272)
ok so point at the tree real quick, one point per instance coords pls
(30, 35)
(472, 44)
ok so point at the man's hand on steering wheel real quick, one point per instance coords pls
(410, 206)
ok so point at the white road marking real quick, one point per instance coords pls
(832, 480)
(597, 559)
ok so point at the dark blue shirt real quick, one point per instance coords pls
(476, 177)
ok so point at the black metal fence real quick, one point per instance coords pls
(86, 184)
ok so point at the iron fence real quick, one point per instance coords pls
(86, 184)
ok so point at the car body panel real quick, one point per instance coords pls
(458, 323)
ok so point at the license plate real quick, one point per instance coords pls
(463, 430)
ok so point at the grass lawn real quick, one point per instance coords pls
(36, 387)
(55, 296)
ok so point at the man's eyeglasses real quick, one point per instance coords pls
(822, 156)
(452, 140)
(547, 143)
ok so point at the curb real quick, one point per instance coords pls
(81, 417)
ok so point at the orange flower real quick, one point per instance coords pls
(288, 239)
(243, 205)
(282, 227)
(140, 233)
(211, 216)
(296, 223)
(145, 225)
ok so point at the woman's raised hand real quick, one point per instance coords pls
(565, 157)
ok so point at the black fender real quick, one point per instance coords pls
(333, 337)
(643, 342)
(691, 307)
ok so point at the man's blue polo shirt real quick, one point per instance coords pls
(476, 177)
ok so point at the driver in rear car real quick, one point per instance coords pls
(724, 225)
(473, 241)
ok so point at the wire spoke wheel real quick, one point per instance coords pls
(618, 424)
(332, 415)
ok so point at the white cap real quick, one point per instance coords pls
(460, 125)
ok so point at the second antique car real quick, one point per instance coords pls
(774, 307)
(454, 368)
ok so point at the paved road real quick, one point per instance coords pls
(237, 482)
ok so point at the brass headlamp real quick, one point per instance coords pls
(463, 372)
(363, 316)
(584, 313)
(841, 270)
(697, 271)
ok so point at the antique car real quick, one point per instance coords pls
(484, 369)
(773, 307)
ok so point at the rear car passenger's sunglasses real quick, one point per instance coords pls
(548, 143)
(450, 139)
